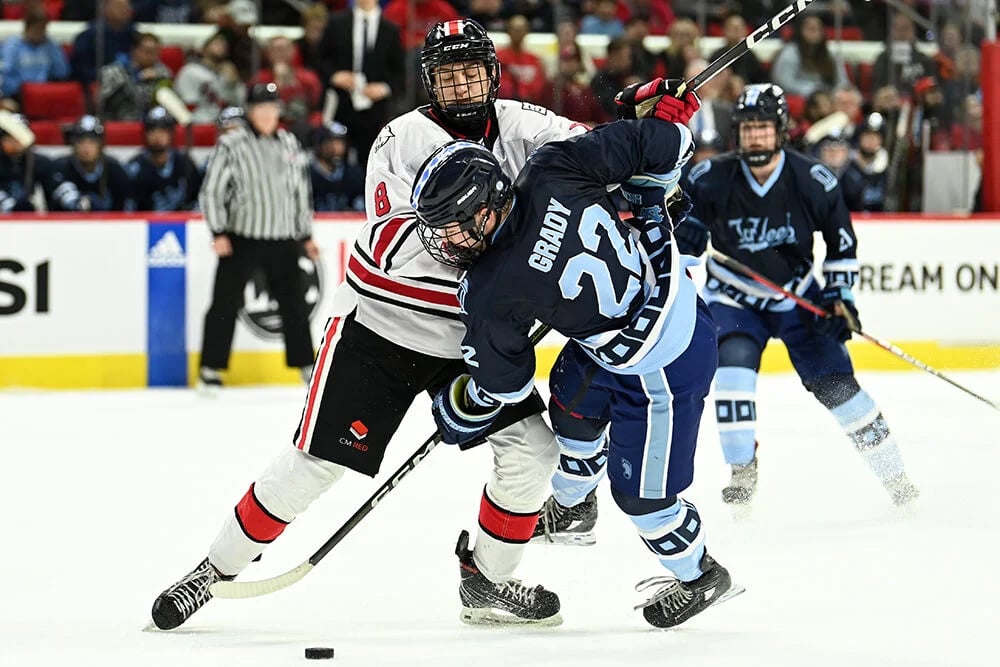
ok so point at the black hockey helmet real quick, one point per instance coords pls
(709, 140)
(330, 130)
(460, 41)
(766, 102)
(875, 123)
(86, 127)
(157, 117)
(263, 92)
(231, 117)
(455, 183)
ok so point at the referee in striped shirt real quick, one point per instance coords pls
(257, 202)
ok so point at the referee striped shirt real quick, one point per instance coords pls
(258, 187)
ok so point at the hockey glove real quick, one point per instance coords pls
(458, 419)
(691, 237)
(657, 99)
(678, 206)
(645, 198)
(836, 326)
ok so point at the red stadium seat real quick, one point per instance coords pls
(54, 100)
(173, 57)
(203, 134)
(123, 133)
(796, 106)
(14, 11)
(866, 78)
(48, 133)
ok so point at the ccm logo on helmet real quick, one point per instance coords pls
(455, 47)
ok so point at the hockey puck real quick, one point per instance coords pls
(319, 653)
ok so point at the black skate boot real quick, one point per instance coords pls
(176, 604)
(742, 485)
(676, 601)
(567, 525)
(507, 603)
(209, 380)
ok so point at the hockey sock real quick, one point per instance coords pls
(284, 490)
(673, 533)
(736, 412)
(582, 465)
(502, 537)
(863, 423)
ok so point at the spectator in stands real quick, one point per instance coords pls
(279, 12)
(211, 83)
(298, 87)
(212, 11)
(489, 14)
(806, 64)
(87, 179)
(235, 26)
(364, 66)
(21, 168)
(425, 13)
(716, 112)
(126, 89)
(30, 57)
(337, 185)
(748, 68)
(163, 11)
(967, 134)
(566, 44)
(645, 64)
(864, 180)
(522, 74)
(932, 117)
(604, 21)
(163, 178)
(849, 100)
(540, 13)
(683, 47)
(659, 14)
(313, 25)
(901, 63)
(615, 75)
(114, 31)
(949, 44)
(571, 93)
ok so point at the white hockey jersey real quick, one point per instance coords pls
(404, 294)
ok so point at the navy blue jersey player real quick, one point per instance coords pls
(163, 178)
(632, 379)
(762, 205)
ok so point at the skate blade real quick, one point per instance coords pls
(151, 627)
(494, 619)
(567, 539)
(741, 511)
(734, 590)
(208, 391)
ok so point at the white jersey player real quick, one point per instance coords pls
(397, 333)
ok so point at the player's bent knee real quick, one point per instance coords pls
(740, 351)
(833, 390)
(634, 506)
(526, 455)
(293, 480)
(568, 426)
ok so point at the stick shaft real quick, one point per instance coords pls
(739, 267)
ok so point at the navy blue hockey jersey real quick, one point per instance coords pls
(339, 189)
(563, 257)
(15, 182)
(173, 187)
(107, 188)
(769, 227)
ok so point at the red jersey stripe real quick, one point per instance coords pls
(385, 238)
(389, 285)
(317, 379)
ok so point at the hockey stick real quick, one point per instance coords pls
(252, 589)
(852, 322)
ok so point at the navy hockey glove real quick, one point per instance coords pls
(645, 197)
(457, 420)
(657, 99)
(691, 237)
(678, 206)
(836, 326)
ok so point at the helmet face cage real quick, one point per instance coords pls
(454, 184)
(761, 102)
(456, 42)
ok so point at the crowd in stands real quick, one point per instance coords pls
(115, 69)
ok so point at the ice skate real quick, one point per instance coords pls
(742, 485)
(901, 490)
(567, 525)
(676, 601)
(507, 603)
(209, 380)
(175, 605)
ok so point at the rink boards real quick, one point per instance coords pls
(119, 301)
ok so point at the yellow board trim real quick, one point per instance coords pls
(124, 371)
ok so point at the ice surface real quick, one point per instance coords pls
(108, 497)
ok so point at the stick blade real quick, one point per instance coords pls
(236, 590)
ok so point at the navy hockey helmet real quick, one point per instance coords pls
(875, 123)
(709, 140)
(328, 131)
(87, 126)
(448, 42)
(262, 93)
(157, 117)
(453, 185)
(231, 117)
(762, 102)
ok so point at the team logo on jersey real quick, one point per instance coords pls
(383, 138)
(845, 240)
(260, 310)
(626, 469)
(358, 429)
(756, 234)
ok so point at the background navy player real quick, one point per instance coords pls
(762, 205)
(396, 333)
(163, 178)
(642, 348)
(21, 169)
(337, 185)
(87, 179)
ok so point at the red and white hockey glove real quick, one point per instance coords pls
(657, 99)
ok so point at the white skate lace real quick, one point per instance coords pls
(191, 592)
(514, 590)
(551, 513)
(673, 595)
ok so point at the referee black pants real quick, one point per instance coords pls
(279, 261)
